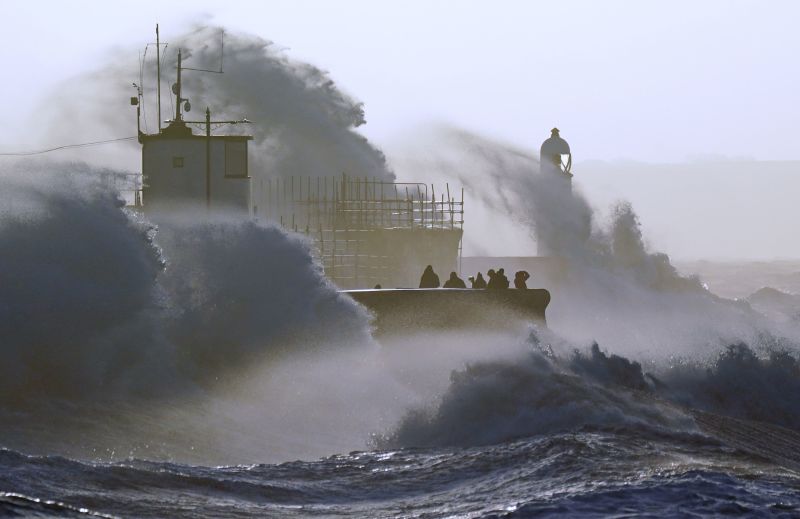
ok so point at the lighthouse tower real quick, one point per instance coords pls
(555, 166)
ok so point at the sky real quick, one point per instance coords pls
(648, 82)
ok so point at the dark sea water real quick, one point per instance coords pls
(590, 472)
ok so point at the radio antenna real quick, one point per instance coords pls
(221, 55)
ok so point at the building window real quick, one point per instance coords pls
(177, 162)
(236, 159)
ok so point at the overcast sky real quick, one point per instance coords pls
(655, 81)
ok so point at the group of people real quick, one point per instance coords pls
(497, 279)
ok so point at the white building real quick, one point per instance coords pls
(182, 169)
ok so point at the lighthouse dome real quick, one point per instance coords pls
(555, 145)
(555, 156)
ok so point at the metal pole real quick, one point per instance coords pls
(433, 204)
(158, 76)
(449, 204)
(461, 208)
(208, 156)
(178, 93)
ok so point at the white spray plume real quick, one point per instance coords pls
(98, 303)
(302, 123)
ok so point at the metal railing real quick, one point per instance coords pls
(327, 203)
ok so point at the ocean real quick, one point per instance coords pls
(621, 472)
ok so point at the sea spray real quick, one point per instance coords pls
(303, 124)
(671, 343)
(97, 300)
(190, 337)
(536, 393)
(614, 290)
(238, 290)
(551, 390)
(78, 275)
(611, 288)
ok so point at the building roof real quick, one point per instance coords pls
(179, 130)
(166, 137)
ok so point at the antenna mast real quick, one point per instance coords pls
(178, 90)
(158, 73)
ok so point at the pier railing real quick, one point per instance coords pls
(329, 203)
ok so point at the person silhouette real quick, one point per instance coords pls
(502, 279)
(454, 282)
(429, 278)
(520, 279)
(479, 282)
(494, 279)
